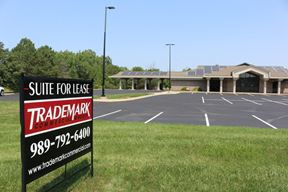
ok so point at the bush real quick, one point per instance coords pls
(196, 89)
(184, 89)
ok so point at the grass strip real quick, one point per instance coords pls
(123, 96)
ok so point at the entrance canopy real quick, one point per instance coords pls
(265, 72)
(251, 70)
(248, 82)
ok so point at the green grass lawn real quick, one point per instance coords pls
(123, 96)
(159, 157)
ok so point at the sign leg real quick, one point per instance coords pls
(92, 167)
(65, 171)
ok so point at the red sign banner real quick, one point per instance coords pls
(48, 115)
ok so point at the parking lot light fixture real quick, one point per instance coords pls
(170, 45)
(104, 47)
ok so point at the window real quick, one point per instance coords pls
(248, 82)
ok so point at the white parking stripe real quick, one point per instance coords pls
(251, 101)
(108, 114)
(226, 100)
(278, 102)
(153, 117)
(203, 101)
(207, 120)
(264, 122)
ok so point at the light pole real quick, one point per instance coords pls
(170, 45)
(104, 47)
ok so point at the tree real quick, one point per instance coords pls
(112, 70)
(153, 69)
(22, 59)
(86, 64)
(24, 54)
(45, 62)
(137, 68)
(3, 64)
(65, 64)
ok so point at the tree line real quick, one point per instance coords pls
(44, 61)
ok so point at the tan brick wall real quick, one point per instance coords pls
(269, 86)
(261, 86)
(177, 85)
(284, 86)
(228, 85)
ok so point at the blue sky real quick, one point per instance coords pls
(205, 32)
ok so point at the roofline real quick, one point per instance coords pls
(184, 78)
(137, 77)
(251, 66)
(153, 77)
(279, 77)
(220, 76)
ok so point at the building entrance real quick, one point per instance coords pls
(215, 85)
(248, 82)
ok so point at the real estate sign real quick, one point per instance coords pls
(56, 120)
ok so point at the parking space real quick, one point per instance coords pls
(246, 110)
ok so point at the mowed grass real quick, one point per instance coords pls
(160, 157)
(123, 96)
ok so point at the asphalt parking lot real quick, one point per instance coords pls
(246, 110)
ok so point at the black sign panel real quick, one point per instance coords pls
(56, 120)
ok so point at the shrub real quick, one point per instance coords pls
(196, 89)
(184, 89)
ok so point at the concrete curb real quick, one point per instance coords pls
(9, 93)
(105, 100)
